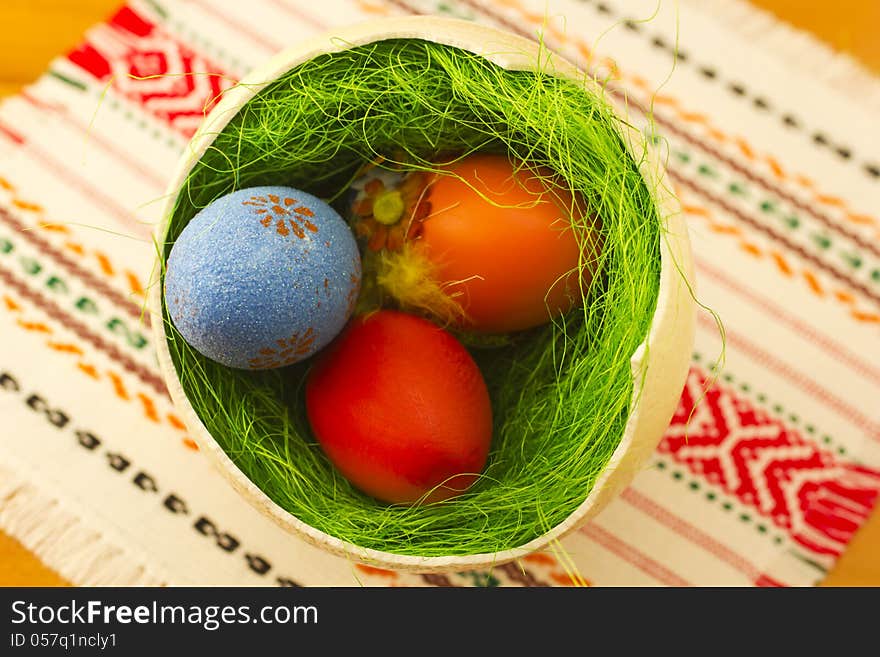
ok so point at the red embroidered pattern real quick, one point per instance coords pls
(151, 68)
(818, 499)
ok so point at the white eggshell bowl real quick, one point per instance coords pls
(659, 365)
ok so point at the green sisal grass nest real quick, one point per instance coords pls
(561, 393)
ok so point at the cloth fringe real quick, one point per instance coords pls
(60, 538)
(797, 48)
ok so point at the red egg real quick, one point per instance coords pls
(400, 408)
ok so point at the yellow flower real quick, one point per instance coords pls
(389, 207)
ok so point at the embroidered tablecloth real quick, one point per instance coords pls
(773, 150)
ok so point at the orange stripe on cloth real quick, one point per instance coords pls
(725, 229)
(37, 327)
(813, 282)
(869, 318)
(804, 181)
(663, 99)
(55, 228)
(175, 421)
(134, 283)
(541, 558)
(564, 579)
(89, 370)
(695, 117)
(149, 407)
(696, 210)
(781, 263)
(833, 201)
(751, 248)
(104, 262)
(745, 149)
(65, 347)
(717, 135)
(118, 386)
(376, 572)
(862, 219)
(27, 205)
(775, 167)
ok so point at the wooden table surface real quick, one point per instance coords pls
(32, 32)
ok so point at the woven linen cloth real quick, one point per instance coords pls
(771, 143)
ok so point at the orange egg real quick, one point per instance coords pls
(501, 243)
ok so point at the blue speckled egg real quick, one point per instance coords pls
(262, 277)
